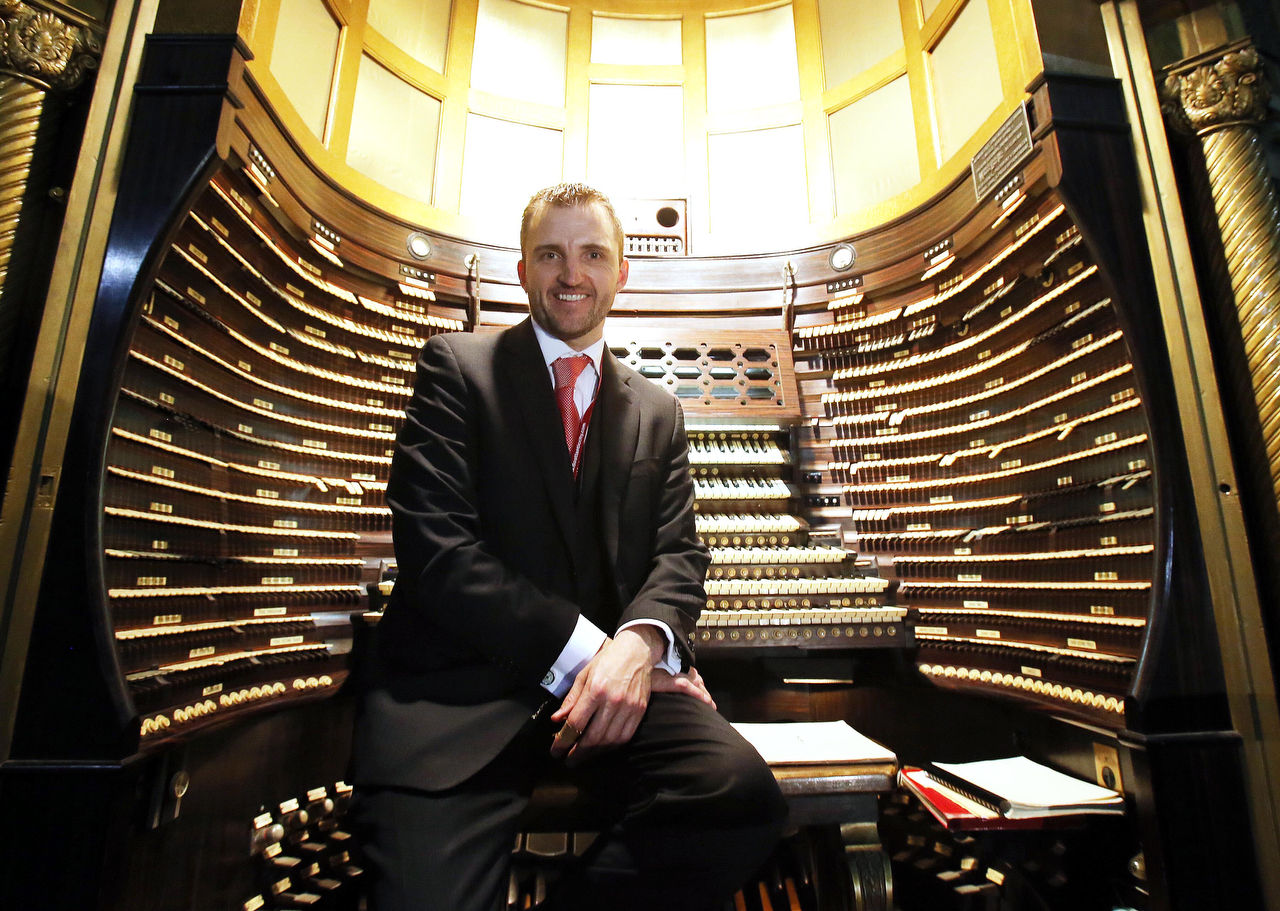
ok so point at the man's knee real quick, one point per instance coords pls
(699, 759)
(737, 786)
(753, 788)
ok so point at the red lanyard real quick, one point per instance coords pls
(576, 455)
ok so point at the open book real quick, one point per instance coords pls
(1019, 787)
(813, 742)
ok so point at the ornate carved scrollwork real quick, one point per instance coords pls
(43, 47)
(1231, 90)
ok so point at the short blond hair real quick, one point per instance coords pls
(566, 195)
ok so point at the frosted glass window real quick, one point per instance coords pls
(636, 42)
(751, 60)
(503, 165)
(520, 51)
(757, 183)
(635, 140)
(873, 148)
(302, 58)
(393, 131)
(966, 77)
(418, 27)
(856, 34)
(928, 6)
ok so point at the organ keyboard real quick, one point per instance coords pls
(718, 449)
(747, 529)
(741, 488)
(773, 582)
(813, 553)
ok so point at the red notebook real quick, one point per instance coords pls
(957, 812)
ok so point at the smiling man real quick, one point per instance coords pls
(572, 269)
(549, 579)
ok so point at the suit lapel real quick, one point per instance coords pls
(526, 382)
(618, 449)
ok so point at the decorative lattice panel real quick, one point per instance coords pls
(729, 373)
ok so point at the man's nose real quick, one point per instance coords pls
(569, 271)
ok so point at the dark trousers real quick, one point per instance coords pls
(696, 810)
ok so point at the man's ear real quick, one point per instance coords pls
(520, 272)
(624, 269)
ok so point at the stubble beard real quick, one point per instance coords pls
(567, 326)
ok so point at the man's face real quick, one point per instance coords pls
(571, 271)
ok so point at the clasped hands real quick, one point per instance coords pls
(609, 696)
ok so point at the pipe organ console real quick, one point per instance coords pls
(988, 434)
(951, 483)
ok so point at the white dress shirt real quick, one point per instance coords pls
(587, 637)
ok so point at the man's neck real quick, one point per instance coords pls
(551, 343)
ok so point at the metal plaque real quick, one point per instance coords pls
(1003, 152)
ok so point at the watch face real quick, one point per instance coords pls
(842, 257)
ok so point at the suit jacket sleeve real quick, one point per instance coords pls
(672, 589)
(450, 579)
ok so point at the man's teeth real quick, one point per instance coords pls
(571, 297)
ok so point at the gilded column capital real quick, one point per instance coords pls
(1231, 90)
(41, 46)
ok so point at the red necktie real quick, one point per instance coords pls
(566, 371)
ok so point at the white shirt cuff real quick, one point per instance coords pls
(581, 647)
(669, 662)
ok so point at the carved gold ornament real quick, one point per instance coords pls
(1232, 89)
(41, 46)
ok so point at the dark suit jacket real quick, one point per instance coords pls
(482, 495)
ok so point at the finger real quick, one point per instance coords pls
(577, 718)
(577, 728)
(594, 742)
(677, 684)
(629, 728)
(683, 684)
(603, 720)
(588, 744)
(613, 723)
(700, 693)
(589, 716)
(566, 737)
(622, 723)
(570, 698)
(698, 681)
